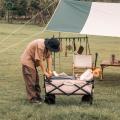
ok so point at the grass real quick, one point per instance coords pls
(13, 103)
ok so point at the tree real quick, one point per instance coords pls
(22, 8)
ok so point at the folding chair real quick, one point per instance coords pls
(81, 63)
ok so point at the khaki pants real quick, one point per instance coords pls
(31, 81)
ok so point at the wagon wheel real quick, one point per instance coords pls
(88, 98)
(49, 99)
(91, 98)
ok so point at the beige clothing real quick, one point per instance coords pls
(34, 52)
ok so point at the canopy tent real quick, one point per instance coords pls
(92, 18)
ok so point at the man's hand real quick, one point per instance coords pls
(50, 72)
(47, 74)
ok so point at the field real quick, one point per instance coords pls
(13, 103)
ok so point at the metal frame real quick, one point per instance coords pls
(47, 81)
(87, 46)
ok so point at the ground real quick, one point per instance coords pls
(13, 103)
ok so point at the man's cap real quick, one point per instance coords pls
(52, 44)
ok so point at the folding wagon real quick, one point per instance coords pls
(68, 86)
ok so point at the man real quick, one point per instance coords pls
(34, 55)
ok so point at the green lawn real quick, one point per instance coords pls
(13, 103)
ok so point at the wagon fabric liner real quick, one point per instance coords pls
(68, 86)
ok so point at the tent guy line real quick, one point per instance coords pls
(14, 45)
(19, 28)
(87, 26)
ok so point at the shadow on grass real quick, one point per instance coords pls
(62, 101)
(110, 79)
(74, 100)
(80, 116)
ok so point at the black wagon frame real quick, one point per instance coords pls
(50, 97)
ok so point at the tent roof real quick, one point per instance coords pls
(92, 18)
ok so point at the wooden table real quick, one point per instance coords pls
(107, 63)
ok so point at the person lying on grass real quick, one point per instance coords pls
(33, 56)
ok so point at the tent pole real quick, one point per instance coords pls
(54, 58)
(86, 43)
(59, 53)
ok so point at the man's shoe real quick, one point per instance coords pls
(36, 100)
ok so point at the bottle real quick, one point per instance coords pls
(113, 58)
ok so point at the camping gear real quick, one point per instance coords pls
(96, 57)
(87, 75)
(81, 48)
(54, 60)
(97, 72)
(60, 53)
(66, 48)
(88, 46)
(79, 39)
(113, 58)
(107, 63)
(84, 61)
(63, 84)
(74, 45)
(67, 86)
(81, 63)
(69, 46)
(91, 18)
(60, 45)
(55, 73)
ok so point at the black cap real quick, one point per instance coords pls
(52, 44)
